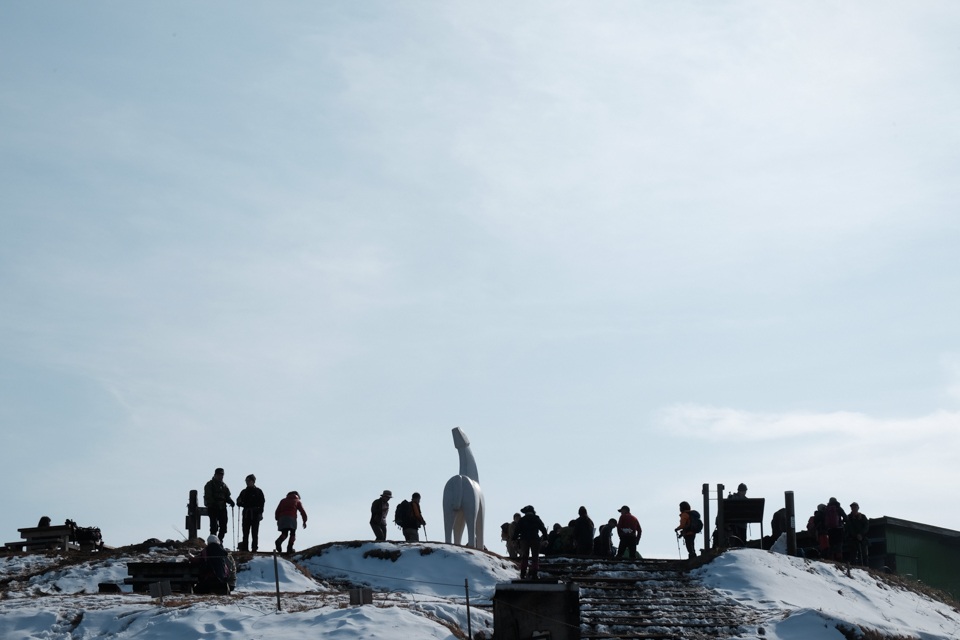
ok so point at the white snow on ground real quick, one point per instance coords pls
(440, 572)
(798, 599)
(53, 620)
(82, 578)
(807, 599)
(258, 575)
(18, 565)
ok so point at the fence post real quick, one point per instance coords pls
(193, 516)
(721, 528)
(706, 517)
(276, 575)
(466, 586)
(791, 523)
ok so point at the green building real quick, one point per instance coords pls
(923, 552)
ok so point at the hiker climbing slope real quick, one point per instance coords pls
(286, 515)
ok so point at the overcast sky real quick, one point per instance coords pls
(628, 247)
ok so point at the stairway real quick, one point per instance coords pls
(651, 599)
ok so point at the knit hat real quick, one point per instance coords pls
(742, 487)
(212, 539)
(252, 477)
(218, 470)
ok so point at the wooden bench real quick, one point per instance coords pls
(182, 576)
(43, 538)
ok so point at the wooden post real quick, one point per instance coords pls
(706, 517)
(721, 529)
(791, 523)
(276, 575)
(466, 586)
(193, 515)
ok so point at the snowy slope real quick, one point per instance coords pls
(796, 599)
(55, 619)
(425, 568)
(806, 599)
(258, 575)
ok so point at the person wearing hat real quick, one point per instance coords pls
(856, 528)
(215, 564)
(286, 516)
(216, 497)
(527, 532)
(379, 511)
(628, 528)
(251, 500)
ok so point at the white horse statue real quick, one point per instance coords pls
(463, 502)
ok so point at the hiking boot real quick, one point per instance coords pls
(279, 548)
(289, 550)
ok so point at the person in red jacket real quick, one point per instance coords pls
(628, 528)
(286, 516)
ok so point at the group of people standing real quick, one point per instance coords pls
(833, 527)
(407, 516)
(216, 497)
(526, 536)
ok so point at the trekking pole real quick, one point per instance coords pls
(679, 554)
(426, 538)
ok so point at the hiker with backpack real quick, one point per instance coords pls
(215, 563)
(856, 529)
(216, 497)
(407, 516)
(834, 519)
(527, 534)
(583, 533)
(286, 516)
(507, 529)
(251, 501)
(690, 526)
(379, 511)
(628, 528)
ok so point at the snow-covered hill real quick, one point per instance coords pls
(804, 599)
(420, 594)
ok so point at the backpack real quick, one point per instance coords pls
(401, 517)
(505, 531)
(696, 524)
(831, 517)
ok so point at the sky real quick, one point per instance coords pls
(628, 247)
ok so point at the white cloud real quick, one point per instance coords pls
(721, 423)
